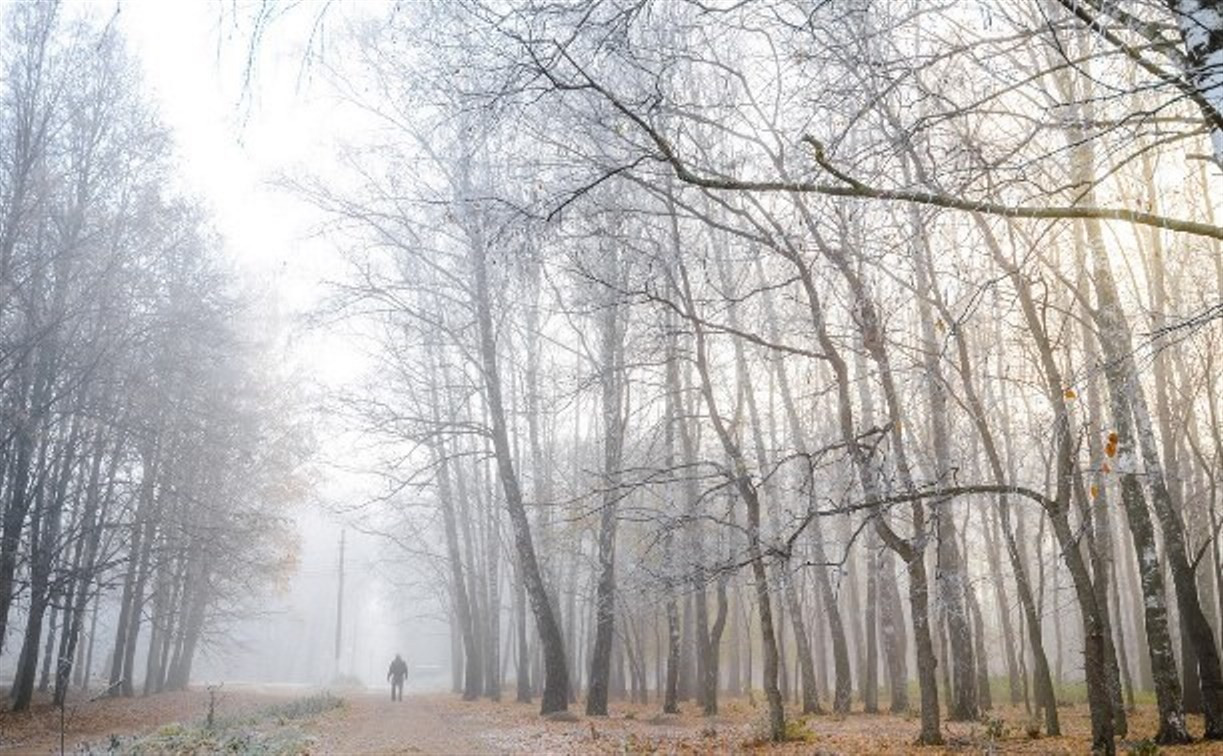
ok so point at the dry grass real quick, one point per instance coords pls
(637, 728)
(443, 724)
(89, 722)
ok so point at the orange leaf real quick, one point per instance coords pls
(1111, 450)
(1095, 491)
(1112, 438)
(1069, 393)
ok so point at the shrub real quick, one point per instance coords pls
(797, 731)
(1144, 747)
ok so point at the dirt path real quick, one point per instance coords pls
(421, 723)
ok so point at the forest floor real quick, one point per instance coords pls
(287, 719)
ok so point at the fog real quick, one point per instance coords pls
(293, 640)
(780, 370)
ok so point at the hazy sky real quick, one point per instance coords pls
(235, 139)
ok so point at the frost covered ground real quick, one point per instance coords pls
(271, 720)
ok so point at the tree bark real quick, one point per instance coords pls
(954, 588)
(454, 558)
(610, 367)
(747, 490)
(806, 663)
(556, 676)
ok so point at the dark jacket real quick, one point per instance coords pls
(398, 670)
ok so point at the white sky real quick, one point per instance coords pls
(193, 63)
(233, 142)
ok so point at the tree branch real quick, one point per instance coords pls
(855, 189)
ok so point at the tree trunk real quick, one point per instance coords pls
(984, 697)
(806, 663)
(747, 490)
(1132, 422)
(22, 484)
(556, 676)
(870, 685)
(610, 357)
(911, 552)
(952, 581)
(44, 535)
(96, 501)
(1201, 27)
(670, 694)
(459, 588)
(522, 657)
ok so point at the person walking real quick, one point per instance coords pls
(397, 674)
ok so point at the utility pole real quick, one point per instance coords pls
(339, 605)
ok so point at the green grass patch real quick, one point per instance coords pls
(269, 731)
(798, 731)
(300, 708)
(198, 739)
